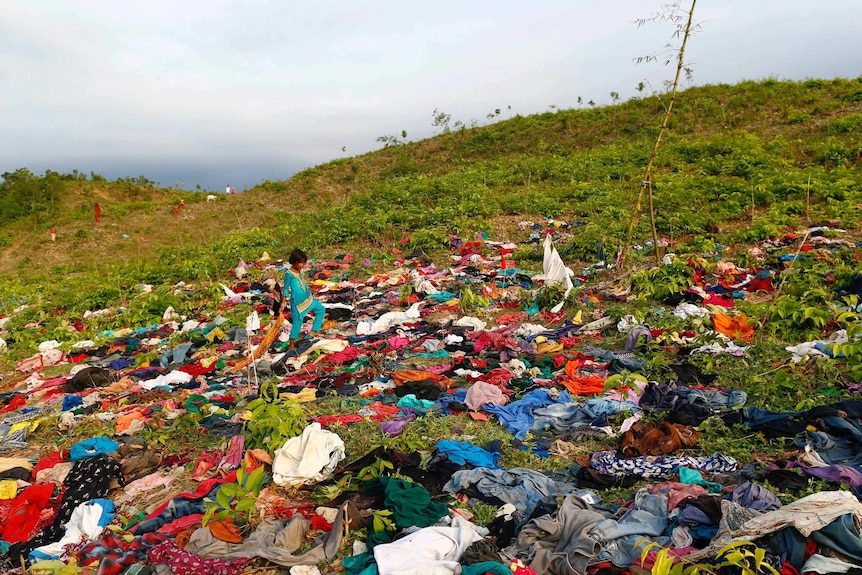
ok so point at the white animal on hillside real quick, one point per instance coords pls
(212, 198)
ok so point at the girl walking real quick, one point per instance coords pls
(297, 292)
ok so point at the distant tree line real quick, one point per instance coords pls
(24, 194)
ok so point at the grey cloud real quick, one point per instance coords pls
(209, 88)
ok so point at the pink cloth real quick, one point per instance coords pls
(184, 563)
(481, 393)
(676, 492)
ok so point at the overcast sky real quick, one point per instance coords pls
(218, 92)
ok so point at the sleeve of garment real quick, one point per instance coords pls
(285, 291)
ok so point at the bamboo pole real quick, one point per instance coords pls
(646, 182)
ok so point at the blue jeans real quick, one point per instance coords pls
(296, 318)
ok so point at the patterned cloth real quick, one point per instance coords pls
(184, 563)
(89, 479)
(658, 467)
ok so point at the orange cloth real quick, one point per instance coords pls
(255, 457)
(403, 376)
(591, 385)
(578, 385)
(225, 530)
(125, 421)
(183, 536)
(733, 327)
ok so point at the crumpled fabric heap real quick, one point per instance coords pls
(274, 540)
(309, 458)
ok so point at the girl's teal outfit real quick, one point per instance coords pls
(301, 302)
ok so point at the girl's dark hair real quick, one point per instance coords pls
(297, 256)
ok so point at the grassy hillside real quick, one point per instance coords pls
(741, 164)
(735, 167)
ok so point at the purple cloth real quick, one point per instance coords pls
(396, 426)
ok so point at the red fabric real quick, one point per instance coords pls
(15, 403)
(499, 377)
(760, 284)
(307, 511)
(25, 512)
(330, 420)
(321, 524)
(348, 354)
(720, 301)
(48, 462)
(180, 524)
(53, 382)
(195, 369)
(518, 317)
(98, 213)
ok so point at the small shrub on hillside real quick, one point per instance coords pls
(429, 239)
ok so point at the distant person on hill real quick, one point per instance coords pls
(98, 213)
(182, 202)
(53, 233)
(298, 294)
(227, 190)
(233, 191)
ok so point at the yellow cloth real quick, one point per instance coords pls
(304, 396)
(55, 567)
(8, 488)
(216, 333)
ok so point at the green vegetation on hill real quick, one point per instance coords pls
(741, 163)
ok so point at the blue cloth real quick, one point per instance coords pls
(524, 488)
(560, 418)
(176, 355)
(461, 453)
(444, 401)
(517, 417)
(296, 290)
(93, 446)
(623, 539)
(72, 401)
(121, 364)
(441, 296)
(753, 496)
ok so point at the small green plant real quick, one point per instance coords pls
(273, 420)
(658, 283)
(382, 521)
(377, 468)
(326, 492)
(236, 499)
(470, 301)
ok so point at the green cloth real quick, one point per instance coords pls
(693, 477)
(485, 567)
(362, 564)
(433, 354)
(410, 503)
(190, 402)
(410, 400)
